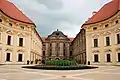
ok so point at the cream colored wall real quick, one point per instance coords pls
(16, 32)
(101, 33)
(53, 56)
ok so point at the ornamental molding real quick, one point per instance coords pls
(20, 50)
(117, 30)
(95, 51)
(9, 49)
(117, 49)
(9, 32)
(108, 50)
(21, 34)
(107, 33)
(95, 35)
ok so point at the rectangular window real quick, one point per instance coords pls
(96, 58)
(19, 57)
(43, 53)
(108, 58)
(8, 57)
(118, 57)
(118, 38)
(107, 41)
(95, 42)
(9, 40)
(20, 41)
(71, 53)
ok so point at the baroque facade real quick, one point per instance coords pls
(19, 41)
(79, 47)
(103, 35)
(57, 46)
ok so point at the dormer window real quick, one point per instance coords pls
(95, 28)
(22, 27)
(116, 21)
(10, 24)
(0, 20)
(106, 25)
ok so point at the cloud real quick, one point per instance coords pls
(51, 4)
(65, 15)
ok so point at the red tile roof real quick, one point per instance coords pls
(107, 11)
(13, 12)
(43, 38)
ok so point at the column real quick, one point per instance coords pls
(102, 54)
(113, 53)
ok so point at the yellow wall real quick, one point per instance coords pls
(15, 31)
(101, 33)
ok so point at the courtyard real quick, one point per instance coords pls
(15, 72)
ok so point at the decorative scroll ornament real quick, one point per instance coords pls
(95, 36)
(95, 51)
(9, 32)
(9, 49)
(117, 30)
(117, 49)
(21, 34)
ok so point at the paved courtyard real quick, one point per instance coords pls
(15, 72)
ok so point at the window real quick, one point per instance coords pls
(9, 40)
(64, 44)
(118, 38)
(95, 28)
(107, 41)
(116, 21)
(43, 44)
(10, 24)
(22, 27)
(43, 53)
(70, 53)
(96, 58)
(50, 44)
(20, 41)
(118, 57)
(106, 25)
(64, 53)
(8, 57)
(50, 53)
(0, 20)
(108, 58)
(95, 42)
(19, 57)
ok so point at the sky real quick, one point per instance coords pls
(65, 15)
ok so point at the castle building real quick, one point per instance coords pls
(103, 35)
(79, 47)
(19, 41)
(57, 46)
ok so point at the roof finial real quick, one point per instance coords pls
(57, 29)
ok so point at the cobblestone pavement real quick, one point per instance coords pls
(15, 72)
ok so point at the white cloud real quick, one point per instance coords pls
(66, 15)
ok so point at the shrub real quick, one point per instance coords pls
(61, 62)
